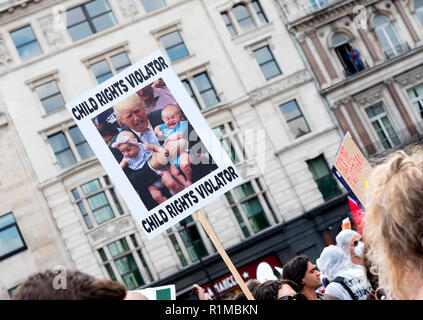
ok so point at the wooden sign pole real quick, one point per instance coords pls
(223, 254)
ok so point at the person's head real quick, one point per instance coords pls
(128, 144)
(350, 241)
(302, 272)
(276, 289)
(146, 94)
(252, 284)
(171, 115)
(333, 262)
(131, 111)
(107, 131)
(393, 225)
(75, 286)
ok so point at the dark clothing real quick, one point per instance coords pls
(142, 178)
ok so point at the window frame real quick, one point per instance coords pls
(330, 174)
(268, 46)
(227, 11)
(64, 129)
(44, 79)
(177, 30)
(175, 232)
(27, 43)
(136, 250)
(392, 47)
(418, 99)
(189, 78)
(378, 119)
(106, 56)
(301, 115)
(231, 134)
(11, 225)
(261, 195)
(109, 190)
(89, 19)
(147, 12)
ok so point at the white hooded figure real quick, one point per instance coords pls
(350, 242)
(346, 282)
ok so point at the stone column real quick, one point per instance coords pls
(365, 139)
(369, 45)
(323, 55)
(401, 107)
(313, 63)
(407, 21)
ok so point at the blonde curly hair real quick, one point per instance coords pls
(393, 226)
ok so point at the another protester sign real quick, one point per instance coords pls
(353, 170)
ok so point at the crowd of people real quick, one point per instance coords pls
(384, 263)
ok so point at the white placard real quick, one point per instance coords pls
(213, 173)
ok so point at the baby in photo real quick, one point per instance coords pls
(136, 154)
(173, 130)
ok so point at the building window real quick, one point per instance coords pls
(228, 23)
(89, 18)
(259, 11)
(187, 241)
(26, 43)
(251, 207)
(11, 292)
(349, 56)
(230, 140)
(418, 6)
(295, 118)
(50, 96)
(244, 17)
(188, 87)
(152, 5)
(416, 97)
(124, 262)
(97, 201)
(67, 153)
(267, 62)
(11, 240)
(318, 4)
(106, 66)
(323, 177)
(174, 45)
(383, 126)
(388, 37)
(203, 90)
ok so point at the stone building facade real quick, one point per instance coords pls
(246, 74)
(367, 59)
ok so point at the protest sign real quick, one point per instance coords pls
(154, 143)
(353, 170)
(159, 293)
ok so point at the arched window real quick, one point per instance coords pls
(418, 6)
(243, 16)
(388, 37)
(349, 56)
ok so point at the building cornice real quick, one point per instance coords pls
(291, 81)
(327, 15)
(305, 139)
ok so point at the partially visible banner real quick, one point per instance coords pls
(353, 170)
(159, 293)
(154, 143)
(357, 215)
